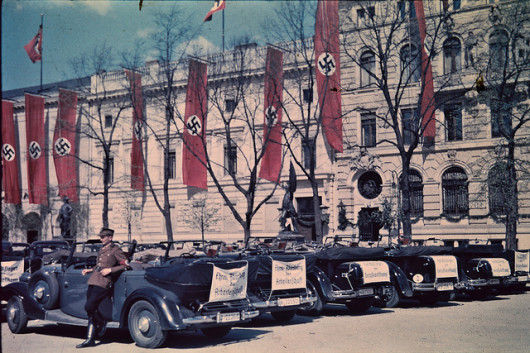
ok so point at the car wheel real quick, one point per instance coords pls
(391, 299)
(15, 315)
(315, 308)
(144, 325)
(283, 316)
(216, 332)
(360, 305)
(44, 288)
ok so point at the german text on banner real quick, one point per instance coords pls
(218, 5)
(288, 275)
(10, 155)
(194, 134)
(34, 47)
(36, 153)
(137, 164)
(228, 284)
(272, 127)
(64, 145)
(327, 56)
(427, 96)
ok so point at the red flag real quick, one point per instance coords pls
(218, 5)
(193, 152)
(272, 139)
(37, 186)
(427, 97)
(327, 56)
(10, 169)
(34, 47)
(137, 164)
(64, 145)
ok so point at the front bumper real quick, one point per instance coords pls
(284, 302)
(222, 318)
(353, 293)
(433, 287)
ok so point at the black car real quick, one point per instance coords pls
(150, 300)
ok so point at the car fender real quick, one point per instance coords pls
(165, 302)
(33, 309)
(322, 283)
(399, 279)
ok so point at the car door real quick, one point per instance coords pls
(73, 290)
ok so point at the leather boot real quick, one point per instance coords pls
(100, 323)
(90, 336)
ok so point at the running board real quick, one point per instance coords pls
(60, 317)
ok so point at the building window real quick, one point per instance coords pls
(416, 193)
(230, 153)
(230, 105)
(410, 63)
(498, 44)
(456, 5)
(111, 169)
(308, 152)
(408, 125)
(367, 67)
(172, 164)
(501, 119)
(453, 122)
(368, 130)
(455, 192)
(308, 95)
(498, 183)
(108, 121)
(365, 13)
(452, 56)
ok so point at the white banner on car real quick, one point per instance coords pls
(288, 275)
(228, 284)
(445, 266)
(499, 267)
(374, 271)
(11, 271)
(521, 261)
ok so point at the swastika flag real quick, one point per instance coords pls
(11, 179)
(64, 145)
(37, 186)
(218, 5)
(34, 47)
(137, 163)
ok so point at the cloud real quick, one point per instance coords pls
(200, 46)
(102, 7)
(144, 32)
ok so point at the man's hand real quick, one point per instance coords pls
(105, 271)
(86, 270)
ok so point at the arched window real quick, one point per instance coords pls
(498, 183)
(367, 65)
(454, 192)
(498, 44)
(416, 193)
(452, 56)
(410, 63)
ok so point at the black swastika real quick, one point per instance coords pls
(138, 130)
(271, 115)
(194, 125)
(9, 152)
(326, 64)
(62, 146)
(34, 150)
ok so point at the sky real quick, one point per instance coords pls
(73, 27)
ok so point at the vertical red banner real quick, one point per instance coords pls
(427, 97)
(137, 163)
(64, 145)
(194, 136)
(11, 178)
(272, 127)
(327, 56)
(37, 183)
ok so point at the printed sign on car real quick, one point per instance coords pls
(374, 271)
(11, 271)
(499, 267)
(445, 266)
(521, 261)
(288, 275)
(228, 284)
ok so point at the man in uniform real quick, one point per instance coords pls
(111, 261)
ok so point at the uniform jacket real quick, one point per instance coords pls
(110, 256)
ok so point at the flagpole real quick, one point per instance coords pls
(224, 29)
(42, 56)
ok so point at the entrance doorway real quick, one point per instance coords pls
(369, 222)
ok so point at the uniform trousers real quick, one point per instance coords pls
(94, 296)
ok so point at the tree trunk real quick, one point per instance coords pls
(405, 202)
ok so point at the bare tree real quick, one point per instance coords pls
(200, 213)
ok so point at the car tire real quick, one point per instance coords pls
(144, 325)
(391, 300)
(44, 288)
(16, 317)
(313, 309)
(360, 305)
(283, 316)
(216, 332)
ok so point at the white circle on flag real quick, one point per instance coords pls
(272, 116)
(194, 125)
(34, 150)
(8, 152)
(138, 130)
(326, 64)
(62, 146)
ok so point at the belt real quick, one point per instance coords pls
(99, 268)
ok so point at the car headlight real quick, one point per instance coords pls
(417, 278)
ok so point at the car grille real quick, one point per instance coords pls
(229, 305)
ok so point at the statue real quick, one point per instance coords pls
(65, 213)
(288, 217)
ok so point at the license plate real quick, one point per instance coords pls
(522, 278)
(288, 301)
(228, 317)
(495, 281)
(445, 286)
(366, 291)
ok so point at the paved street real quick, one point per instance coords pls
(499, 324)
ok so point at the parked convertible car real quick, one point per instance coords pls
(520, 266)
(182, 293)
